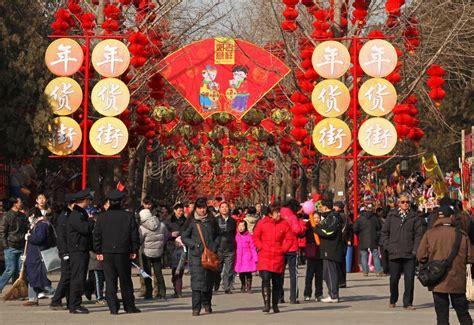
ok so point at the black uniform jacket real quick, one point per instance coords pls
(61, 232)
(116, 232)
(79, 231)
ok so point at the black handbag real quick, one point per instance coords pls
(433, 272)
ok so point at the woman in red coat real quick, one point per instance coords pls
(273, 238)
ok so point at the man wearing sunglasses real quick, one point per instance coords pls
(401, 235)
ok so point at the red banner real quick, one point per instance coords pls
(222, 75)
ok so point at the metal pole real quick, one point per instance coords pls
(354, 126)
(85, 114)
(355, 170)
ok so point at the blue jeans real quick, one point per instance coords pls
(364, 260)
(12, 266)
(349, 252)
(33, 292)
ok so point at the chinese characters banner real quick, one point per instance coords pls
(63, 58)
(222, 75)
(65, 136)
(377, 97)
(110, 96)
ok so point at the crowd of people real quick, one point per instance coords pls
(99, 246)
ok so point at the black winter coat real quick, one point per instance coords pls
(401, 238)
(367, 227)
(116, 232)
(13, 228)
(228, 231)
(79, 231)
(201, 278)
(61, 232)
(330, 234)
(175, 224)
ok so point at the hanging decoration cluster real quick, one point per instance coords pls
(435, 82)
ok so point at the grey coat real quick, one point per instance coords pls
(153, 235)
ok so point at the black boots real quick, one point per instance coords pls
(248, 285)
(266, 293)
(243, 281)
(275, 299)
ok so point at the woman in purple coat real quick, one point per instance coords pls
(245, 257)
(41, 237)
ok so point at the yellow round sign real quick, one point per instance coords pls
(377, 136)
(65, 136)
(64, 95)
(110, 58)
(332, 136)
(231, 93)
(378, 58)
(110, 96)
(64, 57)
(214, 95)
(108, 136)
(331, 98)
(377, 97)
(331, 59)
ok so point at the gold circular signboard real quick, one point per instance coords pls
(332, 136)
(64, 57)
(110, 58)
(377, 97)
(331, 59)
(378, 58)
(110, 97)
(331, 98)
(108, 136)
(65, 136)
(377, 136)
(64, 95)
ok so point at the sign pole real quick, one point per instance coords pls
(85, 113)
(354, 127)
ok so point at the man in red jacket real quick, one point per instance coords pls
(288, 213)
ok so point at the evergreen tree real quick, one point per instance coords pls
(24, 111)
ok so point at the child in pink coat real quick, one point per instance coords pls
(245, 257)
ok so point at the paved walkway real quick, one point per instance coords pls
(365, 301)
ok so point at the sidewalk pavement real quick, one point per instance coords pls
(364, 301)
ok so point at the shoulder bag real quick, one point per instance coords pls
(209, 259)
(433, 272)
(50, 257)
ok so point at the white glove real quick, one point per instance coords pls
(27, 235)
(23, 258)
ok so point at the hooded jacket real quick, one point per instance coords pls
(296, 227)
(272, 238)
(153, 234)
(329, 231)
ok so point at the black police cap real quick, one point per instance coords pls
(69, 198)
(82, 195)
(114, 195)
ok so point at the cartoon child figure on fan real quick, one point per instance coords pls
(209, 91)
(239, 83)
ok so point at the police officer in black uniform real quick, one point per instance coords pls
(61, 231)
(79, 243)
(116, 243)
